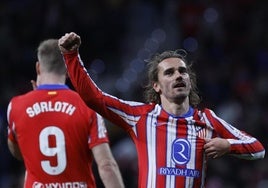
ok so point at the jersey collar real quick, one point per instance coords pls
(186, 115)
(52, 86)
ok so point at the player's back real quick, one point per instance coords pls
(54, 130)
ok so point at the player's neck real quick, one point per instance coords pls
(51, 79)
(175, 108)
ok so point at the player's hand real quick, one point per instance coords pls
(216, 147)
(69, 42)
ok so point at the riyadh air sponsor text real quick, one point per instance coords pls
(179, 172)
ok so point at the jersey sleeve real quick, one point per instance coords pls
(98, 133)
(123, 113)
(243, 145)
(11, 124)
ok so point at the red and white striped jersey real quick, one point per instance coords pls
(55, 131)
(170, 148)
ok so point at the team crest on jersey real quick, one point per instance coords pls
(181, 151)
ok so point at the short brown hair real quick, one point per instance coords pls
(49, 55)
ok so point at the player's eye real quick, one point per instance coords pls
(168, 72)
(183, 70)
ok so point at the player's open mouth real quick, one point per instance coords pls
(179, 84)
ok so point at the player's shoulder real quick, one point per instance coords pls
(18, 102)
(22, 97)
(73, 95)
(76, 99)
(203, 111)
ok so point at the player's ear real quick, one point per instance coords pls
(156, 87)
(37, 67)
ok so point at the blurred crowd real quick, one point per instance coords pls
(227, 42)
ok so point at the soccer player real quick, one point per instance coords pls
(56, 135)
(174, 139)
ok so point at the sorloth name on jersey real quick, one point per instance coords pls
(49, 106)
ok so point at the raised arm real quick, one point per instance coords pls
(89, 92)
(121, 112)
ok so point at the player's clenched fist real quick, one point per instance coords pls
(216, 147)
(69, 42)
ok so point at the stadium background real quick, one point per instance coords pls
(227, 41)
